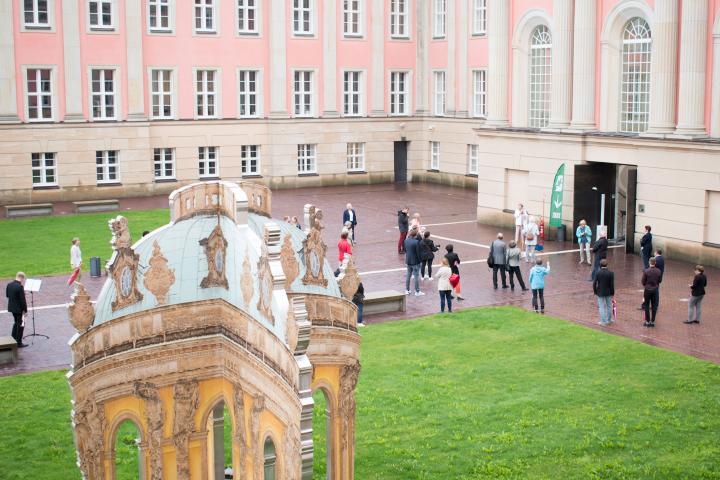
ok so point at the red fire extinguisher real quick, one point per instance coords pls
(541, 228)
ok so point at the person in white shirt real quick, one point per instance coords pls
(76, 256)
(521, 219)
(530, 235)
(444, 287)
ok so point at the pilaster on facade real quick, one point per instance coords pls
(498, 63)
(329, 65)
(422, 66)
(71, 61)
(583, 66)
(135, 77)
(451, 76)
(8, 89)
(462, 21)
(377, 84)
(715, 101)
(663, 68)
(278, 62)
(562, 65)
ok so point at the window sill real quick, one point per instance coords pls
(308, 175)
(109, 184)
(711, 245)
(161, 32)
(209, 178)
(473, 175)
(46, 187)
(165, 180)
(357, 172)
(433, 170)
(248, 34)
(253, 175)
(38, 27)
(205, 32)
(479, 35)
(303, 35)
(95, 29)
(439, 37)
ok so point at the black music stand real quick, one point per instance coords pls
(33, 285)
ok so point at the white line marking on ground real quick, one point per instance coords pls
(455, 240)
(45, 307)
(449, 223)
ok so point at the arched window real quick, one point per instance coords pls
(128, 464)
(540, 77)
(635, 80)
(270, 470)
(219, 441)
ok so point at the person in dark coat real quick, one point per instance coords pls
(403, 226)
(660, 264)
(599, 251)
(349, 215)
(454, 262)
(412, 262)
(604, 290)
(427, 255)
(17, 305)
(498, 252)
(646, 247)
(697, 293)
(358, 299)
(651, 283)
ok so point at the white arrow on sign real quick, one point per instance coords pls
(558, 204)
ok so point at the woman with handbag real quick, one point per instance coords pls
(454, 262)
(427, 255)
(530, 234)
(444, 287)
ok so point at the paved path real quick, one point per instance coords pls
(568, 293)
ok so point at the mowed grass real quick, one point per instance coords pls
(493, 393)
(41, 246)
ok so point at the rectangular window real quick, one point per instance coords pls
(434, 155)
(399, 19)
(164, 163)
(306, 159)
(106, 166)
(440, 95)
(352, 19)
(102, 85)
(250, 159)
(247, 93)
(205, 16)
(206, 93)
(303, 17)
(44, 170)
(161, 91)
(399, 91)
(439, 18)
(472, 158)
(36, 14)
(100, 14)
(356, 157)
(479, 17)
(207, 162)
(247, 16)
(303, 92)
(39, 94)
(479, 93)
(352, 100)
(159, 15)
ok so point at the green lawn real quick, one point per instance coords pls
(482, 394)
(41, 246)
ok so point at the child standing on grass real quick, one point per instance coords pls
(444, 287)
(537, 284)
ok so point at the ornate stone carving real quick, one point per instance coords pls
(155, 417)
(349, 280)
(265, 281)
(215, 247)
(291, 330)
(291, 450)
(348, 381)
(123, 265)
(240, 426)
(120, 233)
(257, 447)
(314, 248)
(81, 310)
(246, 280)
(89, 422)
(159, 277)
(186, 397)
(289, 262)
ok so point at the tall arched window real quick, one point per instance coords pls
(540, 77)
(270, 460)
(635, 90)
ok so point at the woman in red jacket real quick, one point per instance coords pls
(344, 247)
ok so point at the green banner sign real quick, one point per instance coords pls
(556, 201)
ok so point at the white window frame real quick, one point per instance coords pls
(473, 158)
(634, 114)
(307, 159)
(113, 16)
(435, 156)
(439, 18)
(53, 94)
(407, 104)
(306, 106)
(355, 157)
(246, 7)
(248, 154)
(539, 81)
(479, 93)
(479, 17)
(439, 93)
(205, 8)
(205, 95)
(398, 29)
(115, 93)
(154, 29)
(297, 18)
(36, 24)
(242, 101)
(163, 162)
(43, 169)
(172, 92)
(350, 94)
(353, 29)
(207, 156)
(102, 169)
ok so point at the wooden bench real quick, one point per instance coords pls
(89, 206)
(34, 210)
(384, 301)
(8, 350)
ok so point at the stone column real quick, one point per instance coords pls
(134, 44)
(462, 22)
(377, 88)
(278, 75)
(329, 66)
(562, 64)
(715, 102)
(71, 61)
(422, 12)
(663, 68)
(499, 51)
(450, 76)
(693, 42)
(584, 52)
(8, 86)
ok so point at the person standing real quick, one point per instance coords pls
(344, 247)
(604, 290)
(512, 261)
(17, 305)
(651, 283)
(697, 293)
(454, 262)
(521, 219)
(412, 262)
(358, 299)
(530, 238)
(444, 287)
(498, 252)
(76, 258)
(646, 247)
(427, 255)
(537, 284)
(584, 238)
(349, 215)
(403, 226)
(599, 251)
(296, 222)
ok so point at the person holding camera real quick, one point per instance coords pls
(584, 238)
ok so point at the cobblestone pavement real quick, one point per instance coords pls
(449, 214)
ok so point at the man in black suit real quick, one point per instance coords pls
(15, 293)
(604, 290)
(646, 247)
(599, 250)
(651, 283)
(349, 215)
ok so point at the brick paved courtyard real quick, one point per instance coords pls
(449, 214)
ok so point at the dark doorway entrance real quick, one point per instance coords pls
(630, 210)
(401, 161)
(591, 181)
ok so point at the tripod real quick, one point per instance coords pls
(34, 334)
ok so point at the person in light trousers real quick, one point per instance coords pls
(697, 293)
(604, 290)
(530, 236)
(444, 287)
(584, 238)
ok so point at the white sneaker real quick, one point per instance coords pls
(361, 324)
(419, 294)
(407, 292)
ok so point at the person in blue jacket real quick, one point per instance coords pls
(537, 284)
